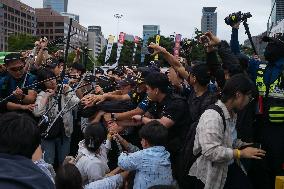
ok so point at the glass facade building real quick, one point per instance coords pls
(57, 5)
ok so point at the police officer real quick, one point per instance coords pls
(270, 83)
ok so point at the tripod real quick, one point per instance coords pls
(249, 36)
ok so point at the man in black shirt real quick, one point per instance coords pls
(170, 110)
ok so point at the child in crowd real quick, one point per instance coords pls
(152, 164)
(92, 159)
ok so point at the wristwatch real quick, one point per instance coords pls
(112, 115)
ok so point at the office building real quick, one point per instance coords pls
(53, 25)
(278, 11)
(96, 40)
(15, 18)
(57, 5)
(209, 20)
(148, 31)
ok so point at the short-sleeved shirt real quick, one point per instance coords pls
(140, 100)
(8, 84)
(173, 107)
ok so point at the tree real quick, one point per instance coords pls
(167, 43)
(126, 56)
(191, 51)
(90, 60)
(21, 42)
(247, 50)
(191, 48)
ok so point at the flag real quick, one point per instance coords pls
(136, 41)
(158, 37)
(119, 47)
(177, 45)
(109, 47)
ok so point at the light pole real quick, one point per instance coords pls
(118, 17)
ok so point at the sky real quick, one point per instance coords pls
(179, 16)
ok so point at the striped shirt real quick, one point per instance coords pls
(216, 147)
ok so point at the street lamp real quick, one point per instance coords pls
(118, 17)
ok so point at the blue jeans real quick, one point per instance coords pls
(61, 145)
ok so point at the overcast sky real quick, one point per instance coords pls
(180, 16)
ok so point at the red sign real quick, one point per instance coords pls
(136, 39)
(121, 37)
(177, 45)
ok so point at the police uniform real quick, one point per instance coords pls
(271, 122)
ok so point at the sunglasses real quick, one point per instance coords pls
(16, 69)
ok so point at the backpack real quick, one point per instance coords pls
(187, 158)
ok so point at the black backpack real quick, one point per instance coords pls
(187, 158)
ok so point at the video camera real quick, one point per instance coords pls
(237, 17)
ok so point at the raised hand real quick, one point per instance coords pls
(213, 40)
(157, 49)
(18, 93)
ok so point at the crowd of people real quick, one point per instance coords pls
(213, 124)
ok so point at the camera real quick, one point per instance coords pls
(237, 17)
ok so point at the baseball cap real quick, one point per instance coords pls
(12, 57)
(51, 63)
(129, 80)
(145, 71)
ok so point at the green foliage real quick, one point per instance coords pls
(21, 42)
(54, 48)
(247, 50)
(167, 43)
(101, 57)
(90, 61)
(125, 56)
(194, 51)
(70, 58)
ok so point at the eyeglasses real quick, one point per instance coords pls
(16, 69)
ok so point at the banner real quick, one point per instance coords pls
(119, 47)
(177, 45)
(136, 41)
(109, 47)
(158, 37)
